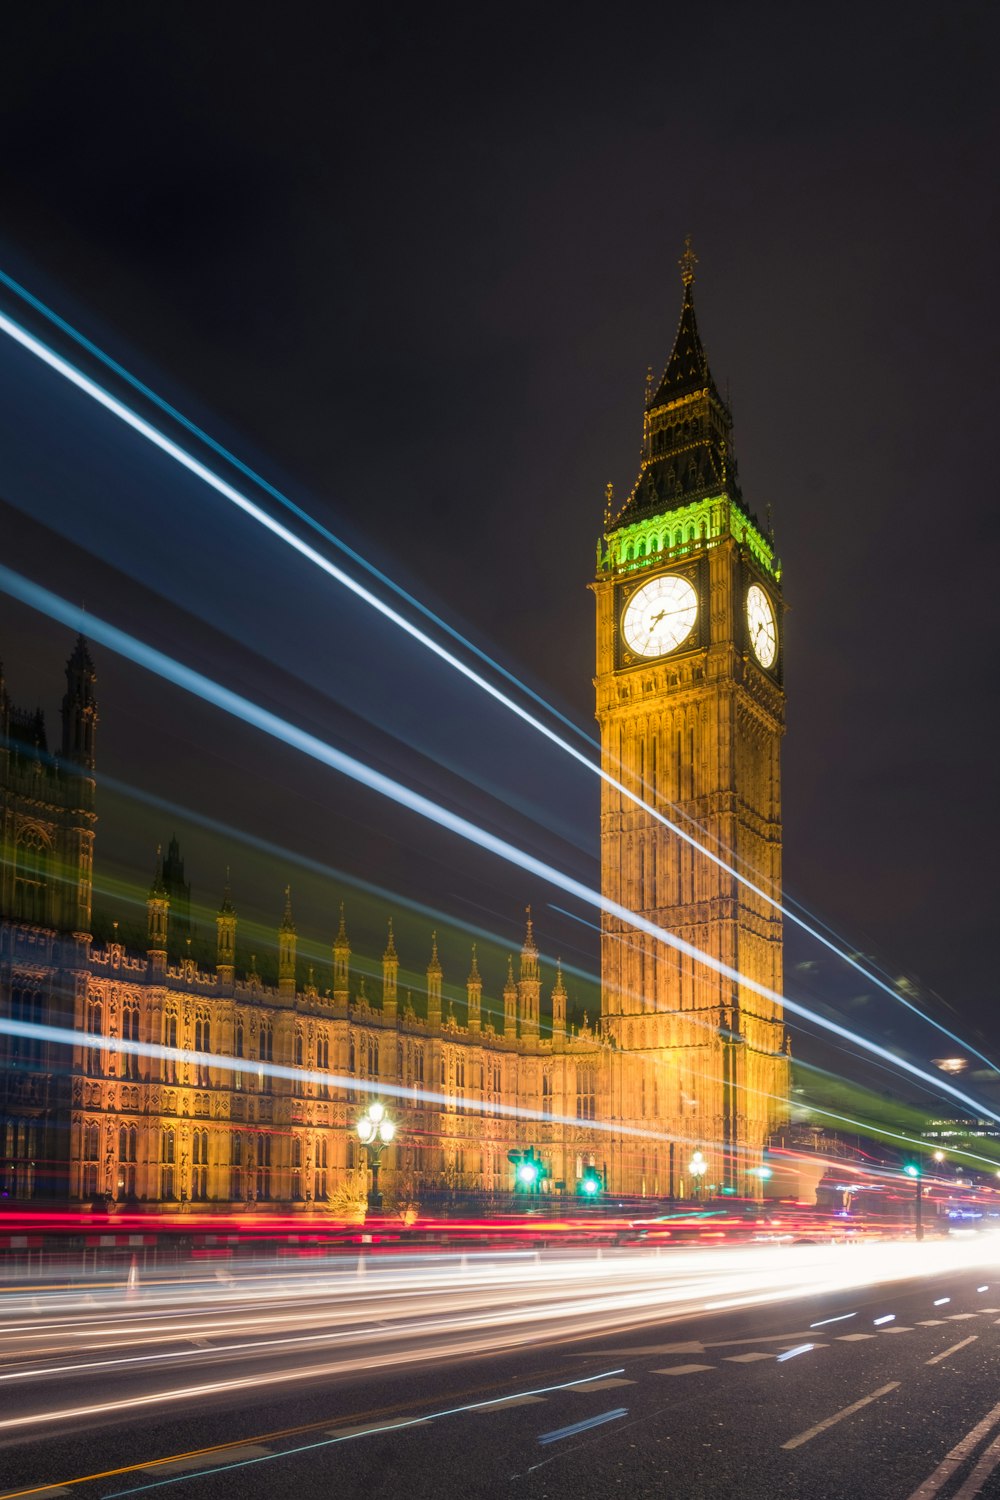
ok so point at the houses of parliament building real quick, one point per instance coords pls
(682, 1064)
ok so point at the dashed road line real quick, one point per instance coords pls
(934, 1483)
(198, 1461)
(838, 1416)
(953, 1350)
(511, 1401)
(984, 1468)
(746, 1359)
(603, 1385)
(683, 1369)
(853, 1338)
(931, 1323)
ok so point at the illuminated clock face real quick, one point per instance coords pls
(763, 626)
(659, 616)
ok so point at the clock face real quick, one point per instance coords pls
(762, 625)
(659, 616)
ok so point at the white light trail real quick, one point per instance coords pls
(290, 734)
(160, 440)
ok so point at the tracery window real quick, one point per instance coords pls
(130, 1033)
(586, 1093)
(31, 877)
(95, 1027)
(202, 1043)
(170, 1040)
(322, 1162)
(199, 1168)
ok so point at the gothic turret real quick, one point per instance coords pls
(287, 944)
(558, 1005)
(435, 976)
(474, 994)
(225, 941)
(341, 963)
(157, 918)
(510, 1002)
(79, 708)
(390, 978)
(530, 985)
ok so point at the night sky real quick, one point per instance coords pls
(413, 264)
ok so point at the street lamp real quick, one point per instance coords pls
(375, 1131)
(697, 1167)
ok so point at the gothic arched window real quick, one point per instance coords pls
(31, 858)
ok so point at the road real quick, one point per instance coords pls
(808, 1372)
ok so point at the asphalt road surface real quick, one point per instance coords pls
(889, 1391)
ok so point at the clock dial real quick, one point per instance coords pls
(659, 616)
(762, 625)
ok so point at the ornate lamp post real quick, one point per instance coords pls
(697, 1167)
(375, 1131)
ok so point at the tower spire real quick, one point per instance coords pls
(686, 447)
(687, 263)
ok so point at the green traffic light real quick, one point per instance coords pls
(527, 1173)
(911, 1170)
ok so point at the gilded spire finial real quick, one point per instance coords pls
(687, 262)
(390, 947)
(529, 936)
(474, 971)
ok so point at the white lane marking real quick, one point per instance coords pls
(897, 1328)
(931, 1323)
(838, 1416)
(584, 1426)
(50, 1492)
(961, 1317)
(746, 1359)
(953, 1350)
(683, 1369)
(984, 1468)
(197, 1461)
(603, 1385)
(852, 1338)
(935, 1482)
(510, 1401)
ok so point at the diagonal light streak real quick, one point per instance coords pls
(271, 724)
(256, 512)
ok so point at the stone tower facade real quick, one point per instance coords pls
(690, 703)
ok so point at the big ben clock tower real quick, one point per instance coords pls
(690, 702)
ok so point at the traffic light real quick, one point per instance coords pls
(590, 1183)
(912, 1169)
(528, 1169)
